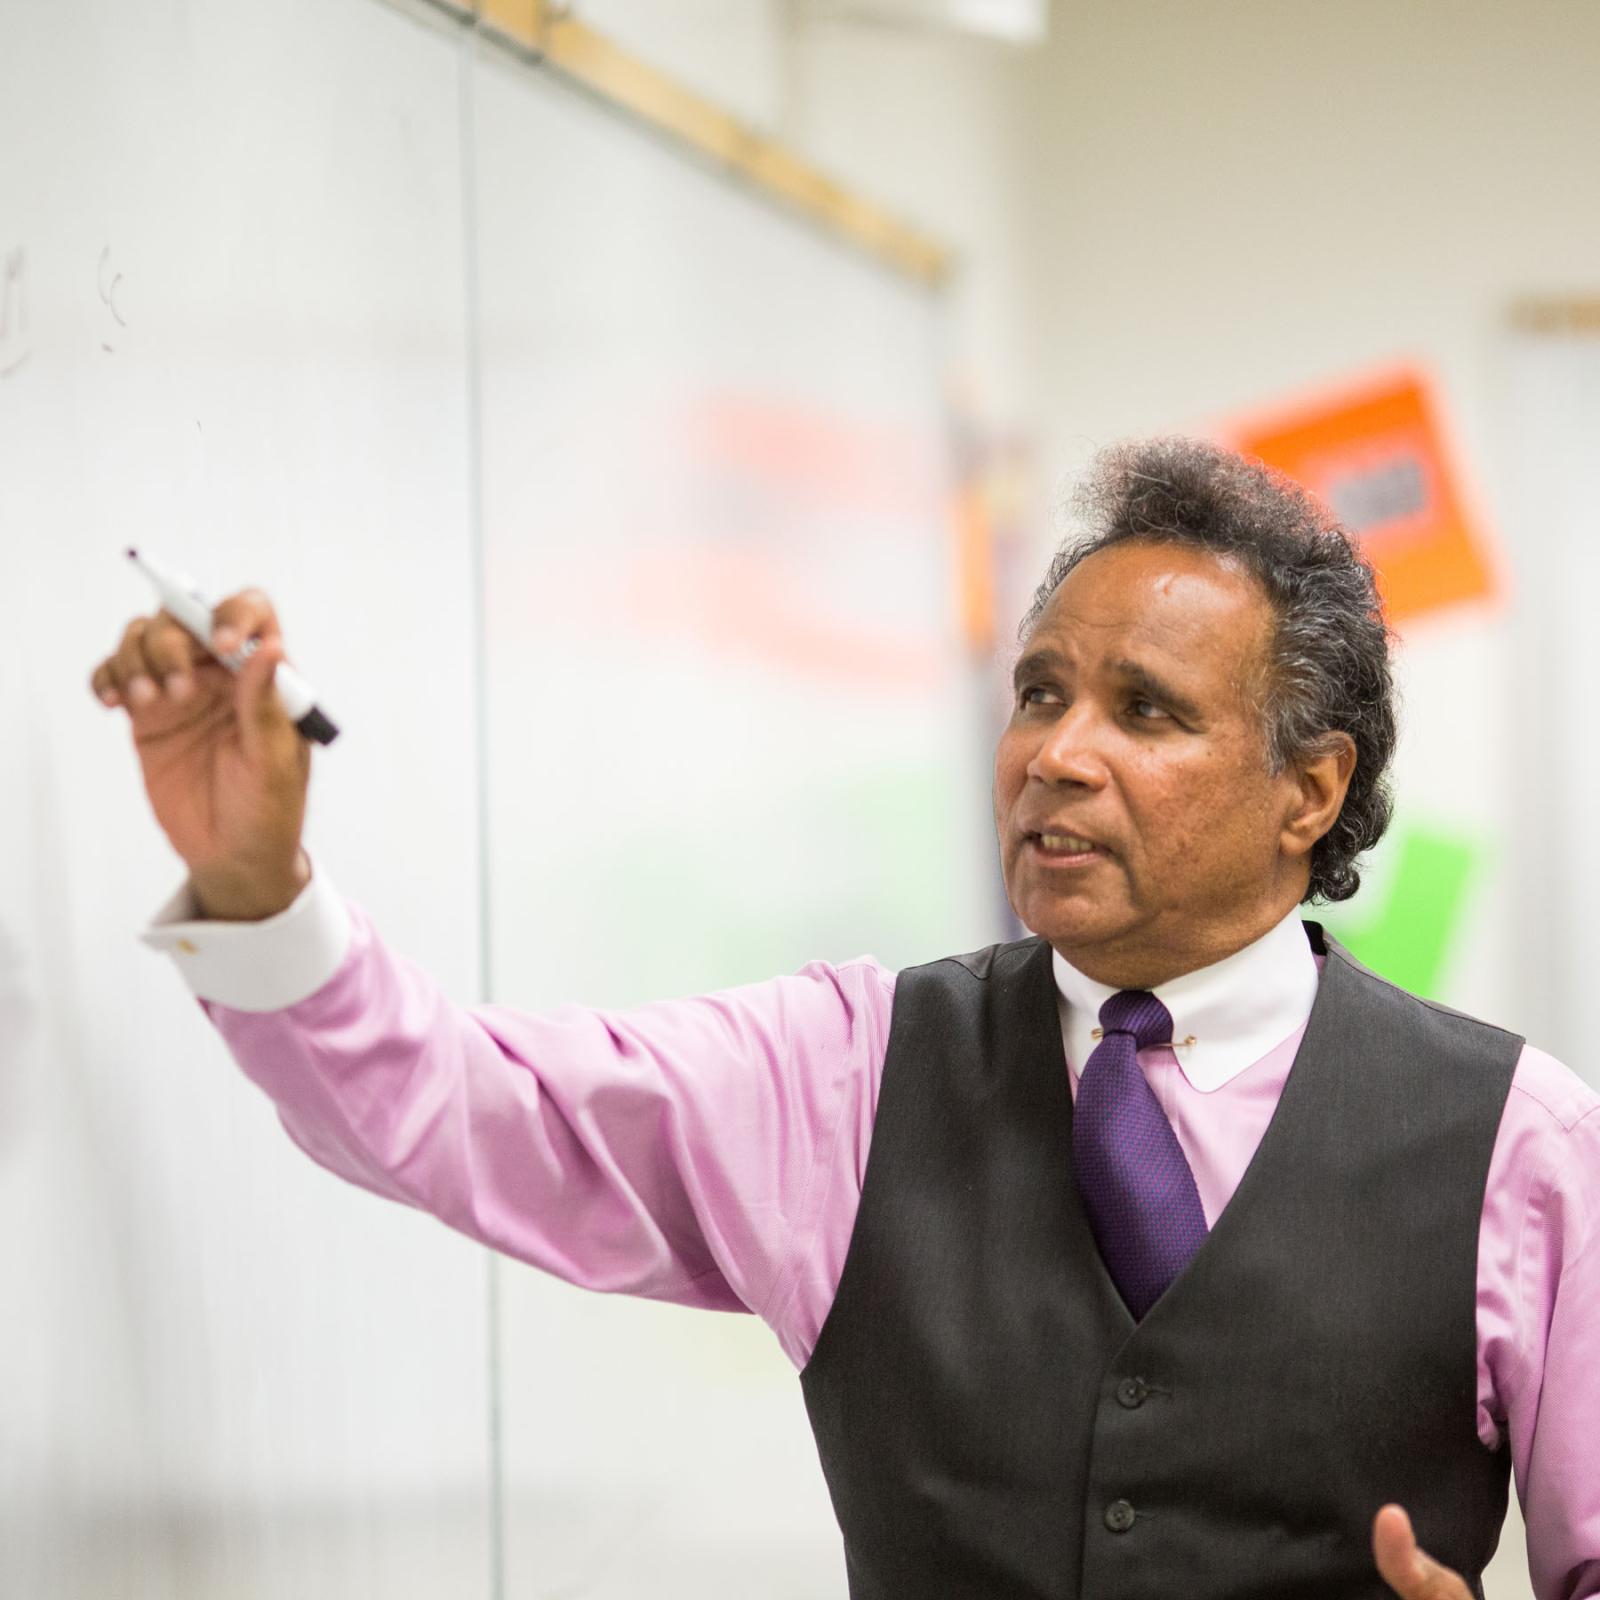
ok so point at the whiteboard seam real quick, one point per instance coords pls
(479, 595)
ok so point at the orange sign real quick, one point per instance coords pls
(1373, 452)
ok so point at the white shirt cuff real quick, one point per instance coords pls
(256, 966)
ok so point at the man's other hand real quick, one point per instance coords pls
(1408, 1570)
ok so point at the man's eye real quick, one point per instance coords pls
(1035, 694)
(1148, 710)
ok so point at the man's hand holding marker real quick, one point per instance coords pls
(225, 763)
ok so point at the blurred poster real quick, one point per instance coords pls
(1374, 450)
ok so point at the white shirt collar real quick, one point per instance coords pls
(1235, 1010)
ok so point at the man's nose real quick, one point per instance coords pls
(1070, 751)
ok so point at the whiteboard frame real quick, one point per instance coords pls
(544, 36)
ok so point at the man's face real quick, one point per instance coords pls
(1139, 829)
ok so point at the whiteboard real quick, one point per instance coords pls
(235, 331)
(728, 732)
(513, 410)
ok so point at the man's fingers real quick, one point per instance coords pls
(1406, 1568)
(170, 652)
(246, 615)
(104, 684)
(159, 654)
(156, 653)
(128, 669)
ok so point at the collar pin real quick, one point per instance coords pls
(1170, 1044)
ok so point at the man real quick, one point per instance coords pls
(1120, 1305)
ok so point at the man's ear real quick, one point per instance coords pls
(1321, 780)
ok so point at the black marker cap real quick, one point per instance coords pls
(316, 727)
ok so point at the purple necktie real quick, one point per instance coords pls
(1136, 1185)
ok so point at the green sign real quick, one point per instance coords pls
(1410, 933)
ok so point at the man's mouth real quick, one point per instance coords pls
(1072, 842)
(1065, 846)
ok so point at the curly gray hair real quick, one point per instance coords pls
(1328, 669)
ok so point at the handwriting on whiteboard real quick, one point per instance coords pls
(14, 348)
(109, 281)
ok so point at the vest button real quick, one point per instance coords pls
(1119, 1516)
(1132, 1393)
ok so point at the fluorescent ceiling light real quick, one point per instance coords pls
(1015, 21)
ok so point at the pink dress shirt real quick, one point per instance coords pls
(711, 1151)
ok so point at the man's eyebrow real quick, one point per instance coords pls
(1140, 677)
(1041, 659)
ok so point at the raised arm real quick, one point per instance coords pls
(681, 1151)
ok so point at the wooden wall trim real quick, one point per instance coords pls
(544, 35)
(1558, 314)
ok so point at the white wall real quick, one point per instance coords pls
(1230, 199)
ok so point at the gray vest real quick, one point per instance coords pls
(992, 1423)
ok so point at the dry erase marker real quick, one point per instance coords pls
(180, 599)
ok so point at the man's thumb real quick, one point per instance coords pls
(256, 703)
(1394, 1547)
(1406, 1568)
